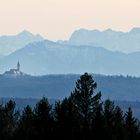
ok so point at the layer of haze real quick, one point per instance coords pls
(57, 19)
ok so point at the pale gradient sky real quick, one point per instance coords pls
(57, 19)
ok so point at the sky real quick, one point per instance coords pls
(57, 19)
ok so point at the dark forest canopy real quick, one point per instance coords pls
(81, 116)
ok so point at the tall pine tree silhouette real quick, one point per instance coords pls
(84, 99)
(131, 126)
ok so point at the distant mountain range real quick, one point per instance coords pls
(113, 40)
(49, 57)
(9, 44)
(39, 57)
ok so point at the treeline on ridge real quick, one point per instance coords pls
(81, 116)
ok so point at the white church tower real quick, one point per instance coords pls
(18, 66)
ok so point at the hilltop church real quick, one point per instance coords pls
(14, 72)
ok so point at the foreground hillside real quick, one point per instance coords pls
(60, 86)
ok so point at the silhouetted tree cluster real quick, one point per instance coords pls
(81, 116)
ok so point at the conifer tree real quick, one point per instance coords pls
(98, 122)
(118, 127)
(26, 125)
(66, 119)
(44, 118)
(131, 126)
(109, 119)
(84, 99)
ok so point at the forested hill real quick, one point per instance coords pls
(60, 86)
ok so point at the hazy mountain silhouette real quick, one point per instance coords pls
(112, 40)
(9, 44)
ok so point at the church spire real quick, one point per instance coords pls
(18, 66)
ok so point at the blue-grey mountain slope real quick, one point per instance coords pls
(48, 57)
